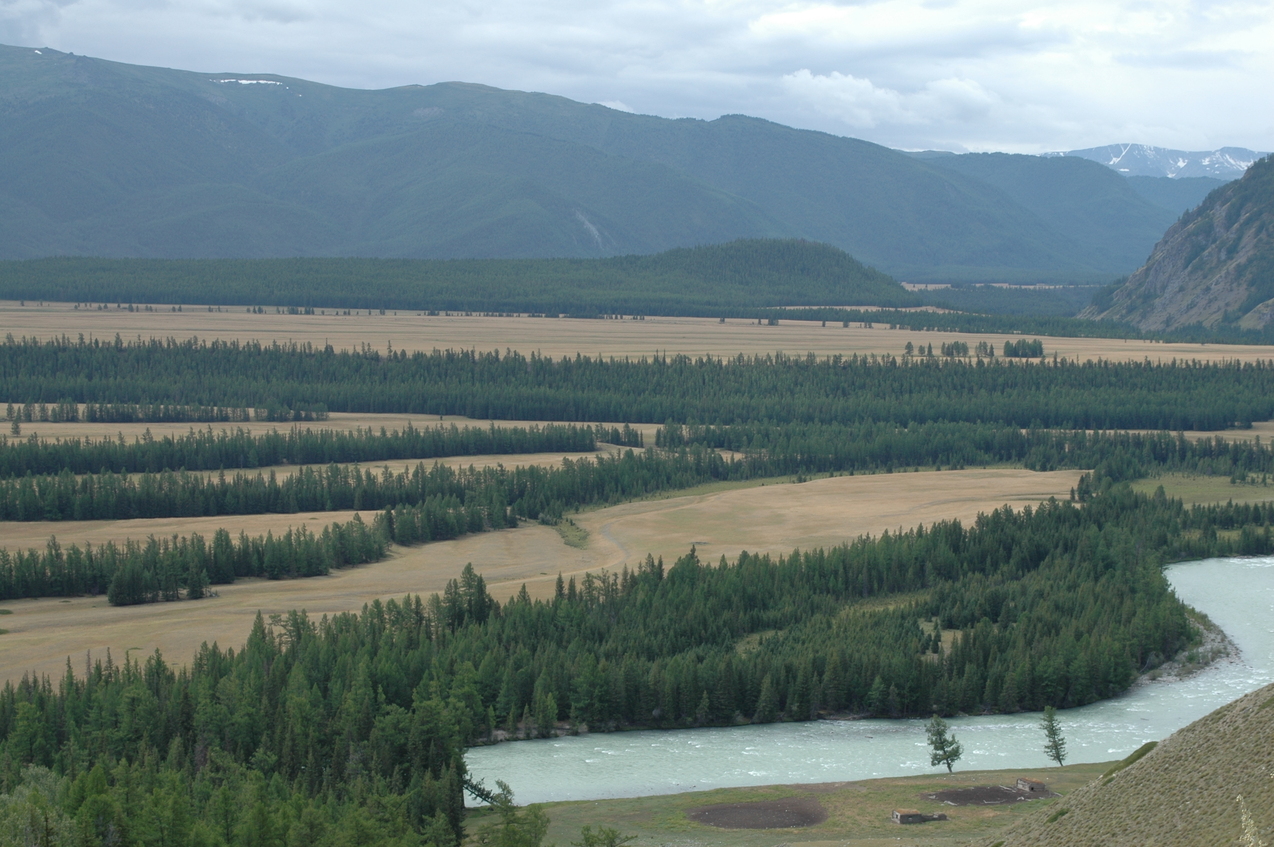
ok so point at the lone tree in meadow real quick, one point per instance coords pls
(1054, 743)
(946, 749)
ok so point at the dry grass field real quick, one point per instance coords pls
(772, 517)
(341, 421)
(858, 813)
(21, 535)
(819, 513)
(556, 336)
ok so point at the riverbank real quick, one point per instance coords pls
(854, 813)
(1213, 647)
(1237, 595)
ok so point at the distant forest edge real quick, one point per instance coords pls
(709, 281)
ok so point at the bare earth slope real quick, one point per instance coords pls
(1185, 792)
(1215, 265)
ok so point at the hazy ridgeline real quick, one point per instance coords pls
(778, 388)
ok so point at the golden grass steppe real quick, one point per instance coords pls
(557, 337)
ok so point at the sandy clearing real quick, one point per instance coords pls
(773, 518)
(558, 336)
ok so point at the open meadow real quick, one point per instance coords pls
(855, 813)
(1193, 489)
(772, 518)
(558, 336)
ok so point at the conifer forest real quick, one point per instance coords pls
(352, 728)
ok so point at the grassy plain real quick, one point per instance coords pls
(1193, 490)
(558, 336)
(858, 812)
(761, 518)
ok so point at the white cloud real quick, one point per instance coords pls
(977, 74)
(862, 105)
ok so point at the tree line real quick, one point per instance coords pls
(210, 449)
(690, 456)
(418, 507)
(872, 446)
(776, 388)
(530, 491)
(184, 567)
(69, 412)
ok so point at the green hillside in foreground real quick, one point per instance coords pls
(1211, 783)
(699, 280)
(108, 159)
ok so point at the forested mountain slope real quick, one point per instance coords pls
(1215, 266)
(108, 159)
(1209, 783)
(1089, 203)
(709, 280)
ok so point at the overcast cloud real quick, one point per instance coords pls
(944, 74)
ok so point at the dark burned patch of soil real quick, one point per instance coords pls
(763, 814)
(985, 795)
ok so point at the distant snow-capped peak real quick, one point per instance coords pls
(1144, 160)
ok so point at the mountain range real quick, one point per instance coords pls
(1143, 160)
(114, 160)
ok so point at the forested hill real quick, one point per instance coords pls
(710, 280)
(106, 159)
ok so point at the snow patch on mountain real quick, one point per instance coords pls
(1145, 160)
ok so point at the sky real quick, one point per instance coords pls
(962, 75)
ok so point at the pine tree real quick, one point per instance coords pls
(946, 749)
(1054, 742)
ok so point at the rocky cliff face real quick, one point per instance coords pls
(1214, 266)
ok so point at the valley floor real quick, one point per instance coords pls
(558, 337)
